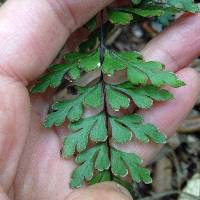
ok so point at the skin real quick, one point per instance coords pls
(31, 34)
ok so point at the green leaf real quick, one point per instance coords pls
(100, 177)
(142, 85)
(136, 76)
(67, 109)
(184, 5)
(161, 78)
(85, 61)
(146, 12)
(165, 19)
(94, 126)
(122, 163)
(110, 65)
(74, 57)
(75, 62)
(150, 8)
(90, 62)
(154, 71)
(72, 109)
(116, 100)
(96, 157)
(128, 55)
(94, 98)
(99, 153)
(136, 1)
(120, 134)
(84, 172)
(118, 17)
(143, 97)
(75, 73)
(139, 71)
(118, 61)
(91, 25)
(52, 78)
(143, 132)
(173, 6)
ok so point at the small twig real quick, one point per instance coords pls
(148, 29)
(115, 34)
(177, 166)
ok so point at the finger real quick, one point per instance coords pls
(14, 126)
(106, 190)
(167, 116)
(178, 45)
(31, 38)
(3, 195)
(46, 175)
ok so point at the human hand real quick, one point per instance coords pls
(31, 34)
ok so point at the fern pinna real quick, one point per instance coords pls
(92, 137)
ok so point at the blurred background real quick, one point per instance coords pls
(176, 169)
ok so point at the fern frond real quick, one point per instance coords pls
(90, 138)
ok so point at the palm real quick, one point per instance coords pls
(44, 173)
(41, 170)
(30, 163)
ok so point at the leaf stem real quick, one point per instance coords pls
(102, 54)
(107, 122)
(101, 37)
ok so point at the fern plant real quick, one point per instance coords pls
(90, 139)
